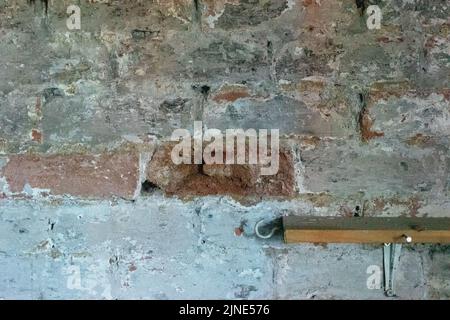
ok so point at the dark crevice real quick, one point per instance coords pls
(357, 212)
(362, 113)
(361, 98)
(203, 89)
(201, 170)
(44, 2)
(197, 14)
(148, 187)
(270, 50)
(361, 5)
(51, 225)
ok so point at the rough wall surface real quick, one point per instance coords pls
(87, 188)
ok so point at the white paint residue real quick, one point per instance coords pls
(211, 20)
(290, 5)
(4, 187)
(35, 192)
(144, 159)
(255, 273)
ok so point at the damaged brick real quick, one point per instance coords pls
(231, 93)
(366, 122)
(236, 180)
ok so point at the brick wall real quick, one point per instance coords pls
(364, 115)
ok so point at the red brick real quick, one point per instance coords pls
(89, 176)
(36, 135)
(231, 93)
(365, 123)
(236, 180)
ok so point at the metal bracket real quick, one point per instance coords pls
(391, 258)
(393, 231)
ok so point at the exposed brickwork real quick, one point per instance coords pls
(363, 114)
(365, 123)
(151, 67)
(231, 93)
(90, 176)
(236, 180)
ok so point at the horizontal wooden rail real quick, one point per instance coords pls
(366, 230)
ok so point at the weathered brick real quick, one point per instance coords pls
(88, 176)
(248, 13)
(231, 93)
(415, 117)
(345, 168)
(288, 114)
(236, 180)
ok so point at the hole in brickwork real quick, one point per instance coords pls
(205, 90)
(148, 187)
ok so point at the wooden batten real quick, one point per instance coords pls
(366, 230)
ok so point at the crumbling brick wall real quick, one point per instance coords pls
(363, 114)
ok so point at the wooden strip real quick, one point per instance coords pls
(365, 230)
